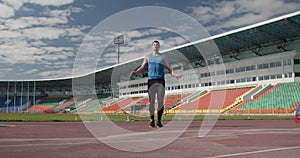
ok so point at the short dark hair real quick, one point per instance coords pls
(156, 41)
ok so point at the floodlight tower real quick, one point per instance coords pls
(119, 40)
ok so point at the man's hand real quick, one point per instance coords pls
(133, 73)
(178, 77)
(175, 75)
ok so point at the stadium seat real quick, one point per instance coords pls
(281, 98)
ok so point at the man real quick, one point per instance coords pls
(156, 80)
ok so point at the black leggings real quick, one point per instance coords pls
(156, 86)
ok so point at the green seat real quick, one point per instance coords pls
(285, 96)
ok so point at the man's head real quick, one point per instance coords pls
(155, 45)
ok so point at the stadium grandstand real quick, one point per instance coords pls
(261, 65)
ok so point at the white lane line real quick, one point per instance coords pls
(140, 136)
(213, 133)
(255, 152)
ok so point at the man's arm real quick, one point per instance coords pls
(141, 68)
(168, 66)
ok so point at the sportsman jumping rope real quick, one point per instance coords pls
(156, 80)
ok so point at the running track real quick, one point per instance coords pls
(243, 139)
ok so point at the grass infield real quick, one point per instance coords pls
(25, 117)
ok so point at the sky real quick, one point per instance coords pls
(42, 39)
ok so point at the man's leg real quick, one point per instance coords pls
(160, 100)
(151, 94)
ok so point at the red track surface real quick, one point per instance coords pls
(249, 138)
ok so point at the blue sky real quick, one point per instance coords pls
(40, 39)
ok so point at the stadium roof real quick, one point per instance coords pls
(275, 32)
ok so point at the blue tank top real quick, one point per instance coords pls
(155, 67)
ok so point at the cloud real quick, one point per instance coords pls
(48, 17)
(16, 4)
(76, 10)
(6, 11)
(36, 36)
(7, 35)
(29, 72)
(138, 44)
(4, 72)
(50, 3)
(55, 73)
(227, 15)
(42, 33)
(18, 52)
(9, 7)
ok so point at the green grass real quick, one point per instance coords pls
(24, 117)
